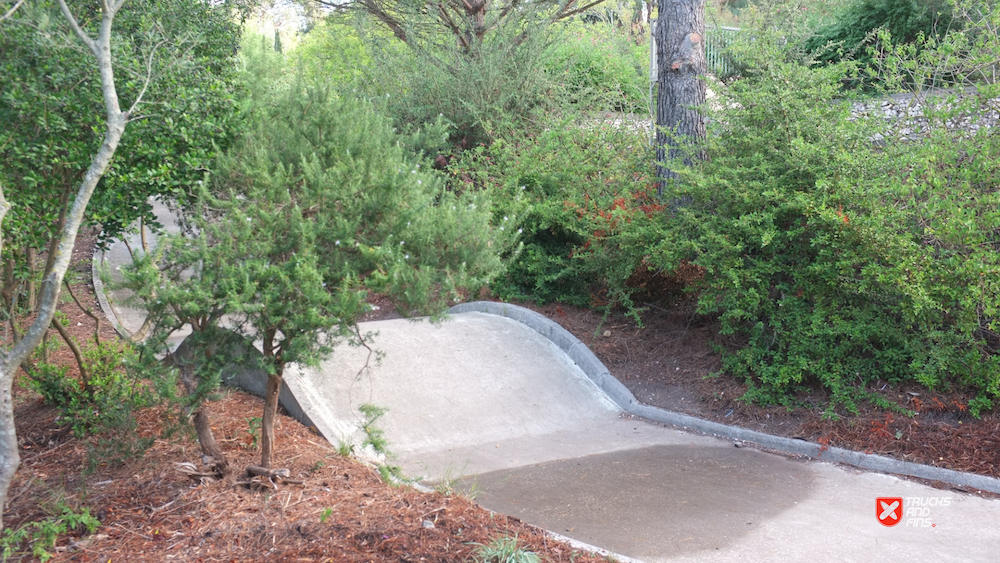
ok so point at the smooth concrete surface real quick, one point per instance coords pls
(481, 398)
(696, 504)
(450, 413)
(127, 317)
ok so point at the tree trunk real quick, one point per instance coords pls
(29, 259)
(11, 357)
(202, 420)
(270, 413)
(206, 438)
(8, 286)
(680, 61)
(10, 458)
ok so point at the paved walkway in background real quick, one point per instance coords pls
(485, 403)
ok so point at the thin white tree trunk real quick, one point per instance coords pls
(11, 358)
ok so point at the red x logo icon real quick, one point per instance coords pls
(889, 510)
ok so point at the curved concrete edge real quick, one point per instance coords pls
(581, 546)
(599, 374)
(96, 263)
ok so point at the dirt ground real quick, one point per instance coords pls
(340, 510)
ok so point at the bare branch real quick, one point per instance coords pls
(87, 311)
(374, 9)
(12, 10)
(450, 24)
(149, 76)
(76, 27)
(84, 376)
(506, 10)
(565, 14)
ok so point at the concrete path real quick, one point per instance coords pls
(488, 399)
(521, 417)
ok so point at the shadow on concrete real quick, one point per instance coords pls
(668, 499)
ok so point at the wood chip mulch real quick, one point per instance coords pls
(151, 511)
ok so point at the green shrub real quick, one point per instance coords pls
(496, 88)
(906, 20)
(41, 535)
(833, 262)
(111, 393)
(504, 550)
(333, 51)
(600, 68)
(552, 187)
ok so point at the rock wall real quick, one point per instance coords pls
(906, 120)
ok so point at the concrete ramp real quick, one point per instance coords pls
(493, 405)
(475, 393)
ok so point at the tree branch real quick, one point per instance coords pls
(84, 376)
(506, 10)
(87, 311)
(565, 14)
(12, 10)
(76, 26)
(149, 76)
(373, 9)
(450, 24)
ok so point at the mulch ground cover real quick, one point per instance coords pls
(150, 509)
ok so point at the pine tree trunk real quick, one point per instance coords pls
(680, 61)
(206, 438)
(202, 420)
(10, 458)
(267, 421)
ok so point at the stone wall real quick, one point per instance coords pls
(905, 119)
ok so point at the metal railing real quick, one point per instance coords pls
(717, 39)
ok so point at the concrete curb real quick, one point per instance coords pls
(599, 374)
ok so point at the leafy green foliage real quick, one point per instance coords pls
(600, 68)
(834, 262)
(52, 110)
(112, 393)
(831, 260)
(41, 535)
(333, 51)
(906, 20)
(553, 187)
(965, 58)
(483, 92)
(317, 204)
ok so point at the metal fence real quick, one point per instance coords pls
(717, 39)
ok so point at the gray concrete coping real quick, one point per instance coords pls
(601, 376)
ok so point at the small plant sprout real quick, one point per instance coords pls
(504, 550)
